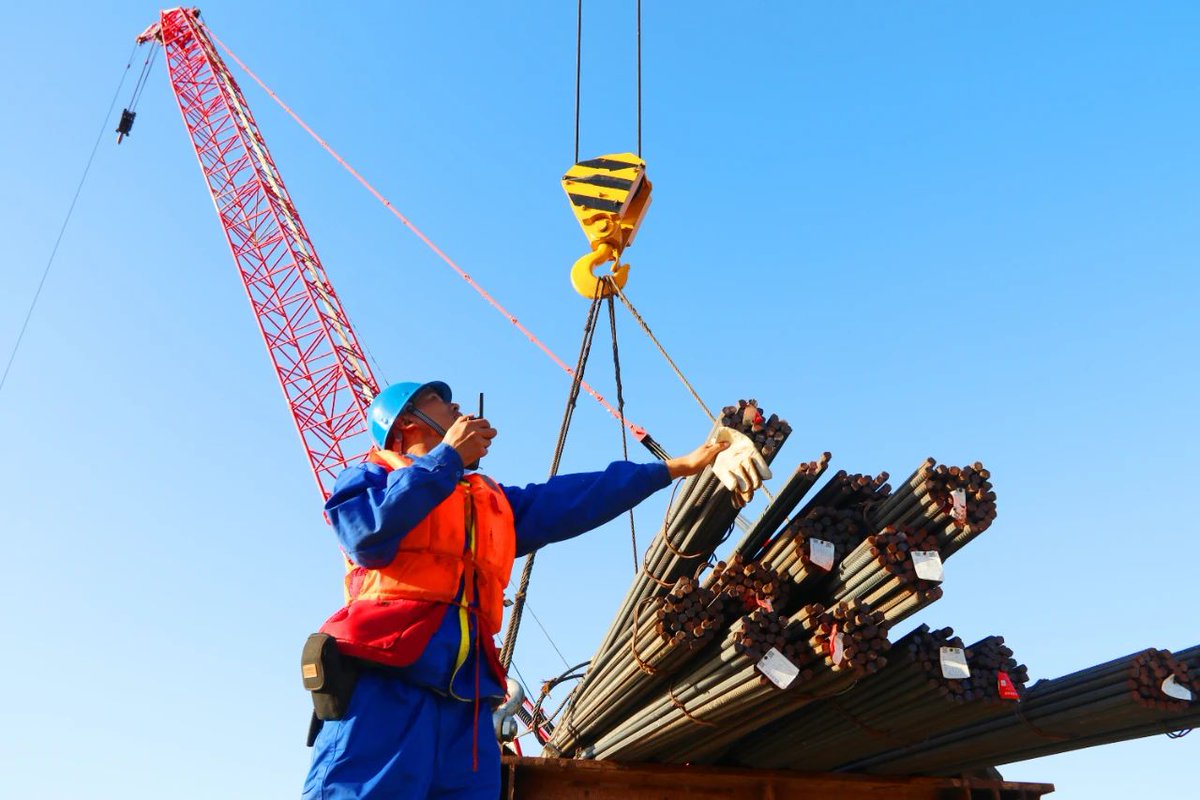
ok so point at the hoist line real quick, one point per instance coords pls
(639, 79)
(585, 348)
(143, 78)
(63, 229)
(638, 432)
(578, 73)
(578, 68)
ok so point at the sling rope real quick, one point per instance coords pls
(678, 372)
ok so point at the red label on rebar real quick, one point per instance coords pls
(764, 603)
(958, 505)
(1004, 686)
(821, 553)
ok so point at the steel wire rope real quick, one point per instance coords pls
(740, 521)
(549, 638)
(612, 322)
(578, 68)
(514, 622)
(639, 79)
(143, 78)
(675, 367)
(70, 210)
(639, 433)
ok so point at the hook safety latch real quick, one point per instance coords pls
(609, 196)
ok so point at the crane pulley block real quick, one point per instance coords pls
(609, 196)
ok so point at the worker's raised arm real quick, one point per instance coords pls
(372, 509)
(695, 461)
(568, 505)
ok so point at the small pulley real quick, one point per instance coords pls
(126, 124)
(609, 196)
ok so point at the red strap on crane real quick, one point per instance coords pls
(638, 431)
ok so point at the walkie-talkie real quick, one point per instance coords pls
(479, 415)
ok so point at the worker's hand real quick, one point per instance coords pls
(695, 461)
(471, 437)
(740, 467)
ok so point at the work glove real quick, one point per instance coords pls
(740, 468)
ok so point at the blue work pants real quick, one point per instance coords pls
(401, 742)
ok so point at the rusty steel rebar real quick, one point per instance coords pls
(786, 499)
(956, 503)
(697, 521)
(1120, 699)
(907, 701)
(728, 696)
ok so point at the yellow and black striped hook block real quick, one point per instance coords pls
(609, 196)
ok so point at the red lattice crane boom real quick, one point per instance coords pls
(317, 358)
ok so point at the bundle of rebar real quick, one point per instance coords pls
(697, 521)
(679, 623)
(827, 650)
(768, 434)
(828, 527)
(1136, 695)
(742, 586)
(851, 490)
(668, 631)
(882, 572)
(956, 503)
(786, 499)
(792, 552)
(908, 700)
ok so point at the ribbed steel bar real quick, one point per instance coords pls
(957, 503)
(786, 499)
(696, 523)
(847, 641)
(906, 702)
(1124, 698)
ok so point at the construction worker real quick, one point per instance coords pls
(429, 548)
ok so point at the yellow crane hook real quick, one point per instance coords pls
(609, 196)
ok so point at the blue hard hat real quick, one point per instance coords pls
(392, 402)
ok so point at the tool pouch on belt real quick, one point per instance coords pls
(329, 676)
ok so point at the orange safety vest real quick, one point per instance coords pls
(461, 554)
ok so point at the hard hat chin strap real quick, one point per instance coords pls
(421, 415)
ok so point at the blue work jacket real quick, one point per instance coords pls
(372, 509)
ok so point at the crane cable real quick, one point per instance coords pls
(143, 78)
(579, 70)
(63, 229)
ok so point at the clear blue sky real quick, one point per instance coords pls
(960, 230)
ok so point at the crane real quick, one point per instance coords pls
(316, 355)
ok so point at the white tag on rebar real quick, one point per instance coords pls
(1172, 688)
(928, 564)
(778, 669)
(958, 507)
(820, 552)
(954, 664)
(837, 647)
